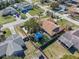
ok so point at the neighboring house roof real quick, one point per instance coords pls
(76, 0)
(49, 27)
(3, 49)
(71, 38)
(10, 1)
(9, 11)
(17, 39)
(12, 47)
(21, 5)
(73, 9)
(12, 44)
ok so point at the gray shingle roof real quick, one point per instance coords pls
(65, 38)
(12, 44)
(9, 10)
(12, 47)
(76, 33)
(70, 39)
(17, 39)
(3, 49)
(21, 5)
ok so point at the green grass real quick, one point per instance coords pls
(64, 23)
(35, 11)
(45, 16)
(35, 1)
(55, 50)
(8, 32)
(4, 20)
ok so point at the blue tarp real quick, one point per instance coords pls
(38, 36)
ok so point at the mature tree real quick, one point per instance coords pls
(69, 57)
(32, 25)
(11, 57)
(54, 5)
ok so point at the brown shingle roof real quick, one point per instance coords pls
(49, 26)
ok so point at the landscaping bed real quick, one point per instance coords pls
(8, 32)
(7, 19)
(55, 51)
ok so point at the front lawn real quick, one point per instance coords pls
(35, 11)
(8, 32)
(7, 19)
(64, 23)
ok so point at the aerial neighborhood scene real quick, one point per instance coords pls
(39, 29)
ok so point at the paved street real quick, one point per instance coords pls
(57, 14)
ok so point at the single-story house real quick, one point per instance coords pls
(50, 27)
(9, 11)
(7, 1)
(12, 46)
(70, 39)
(23, 7)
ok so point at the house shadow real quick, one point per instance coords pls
(72, 50)
(53, 39)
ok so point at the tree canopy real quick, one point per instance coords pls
(32, 25)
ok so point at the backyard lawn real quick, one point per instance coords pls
(7, 19)
(55, 51)
(31, 51)
(36, 11)
(8, 32)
